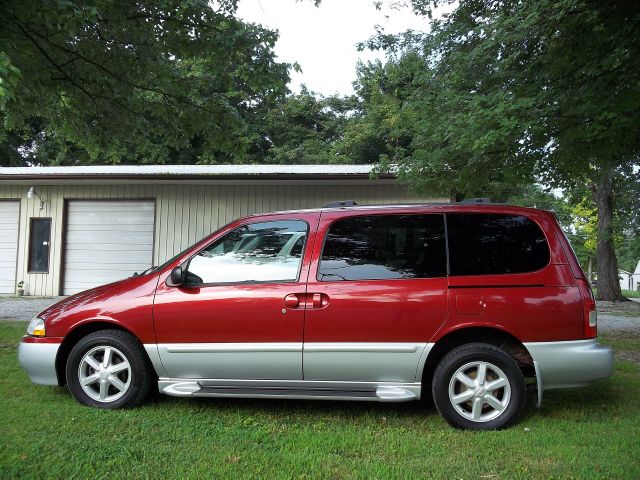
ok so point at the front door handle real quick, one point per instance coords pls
(291, 301)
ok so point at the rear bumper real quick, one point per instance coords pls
(569, 364)
(39, 360)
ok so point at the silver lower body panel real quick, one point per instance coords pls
(380, 362)
(232, 360)
(39, 360)
(290, 389)
(569, 364)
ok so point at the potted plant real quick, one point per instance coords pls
(20, 291)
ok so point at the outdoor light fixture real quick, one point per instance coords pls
(32, 193)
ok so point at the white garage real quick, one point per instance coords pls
(106, 241)
(9, 224)
(83, 226)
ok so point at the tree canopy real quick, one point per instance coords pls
(508, 92)
(306, 128)
(495, 98)
(148, 81)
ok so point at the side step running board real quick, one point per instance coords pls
(292, 390)
(284, 392)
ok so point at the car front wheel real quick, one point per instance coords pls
(479, 387)
(109, 369)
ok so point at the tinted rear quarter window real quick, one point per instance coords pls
(485, 244)
(384, 247)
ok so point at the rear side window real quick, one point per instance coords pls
(384, 247)
(485, 244)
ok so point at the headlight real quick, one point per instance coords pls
(36, 327)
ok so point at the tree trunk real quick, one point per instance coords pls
(590, 269)
(607, 263)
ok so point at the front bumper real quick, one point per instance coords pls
(38, 358)
(569, 364)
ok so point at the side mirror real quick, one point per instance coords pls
(176, 278)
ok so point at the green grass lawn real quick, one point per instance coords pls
(584, 433)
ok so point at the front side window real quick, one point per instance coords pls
(384, 247)
(39, 238)
(260, 252)
(486, 244)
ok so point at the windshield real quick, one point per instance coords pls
(175, 257)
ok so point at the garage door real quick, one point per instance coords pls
(9, 221)
(106, 241)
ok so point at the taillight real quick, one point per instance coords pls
(590, 314)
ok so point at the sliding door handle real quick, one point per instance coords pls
(320, 300)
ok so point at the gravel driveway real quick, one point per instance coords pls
(618, 324)
(619, 317)
(23, 308)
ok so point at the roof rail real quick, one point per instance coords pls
(341, 203)
(476, 200)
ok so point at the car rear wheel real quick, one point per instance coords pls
(109, 369)
(479, 387)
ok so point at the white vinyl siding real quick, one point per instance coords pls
(106, 242)
(9, 223)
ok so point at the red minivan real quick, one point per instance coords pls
(464, 302)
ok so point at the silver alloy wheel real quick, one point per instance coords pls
(104, 373)
(479, 391)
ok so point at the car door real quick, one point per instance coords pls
(379, 293)
(229, 320)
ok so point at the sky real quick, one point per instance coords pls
(323, 39)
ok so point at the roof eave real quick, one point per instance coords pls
(171, 176)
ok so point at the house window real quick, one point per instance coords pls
(39, 240)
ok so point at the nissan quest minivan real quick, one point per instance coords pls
(462, 302)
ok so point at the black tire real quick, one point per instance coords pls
(510, 397)
(138, 376)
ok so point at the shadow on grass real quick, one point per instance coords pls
(608, 394)
(293, 407)
(598, 404)
(588, 401)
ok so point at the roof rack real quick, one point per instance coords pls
(341, 203)
(476, 200)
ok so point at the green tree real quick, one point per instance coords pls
(117, 81)
(381, 128)
(511, 92)
(585, 235)
(305, 128)
(629, 252)
(627, 224)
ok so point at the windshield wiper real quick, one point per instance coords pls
(136, 274)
